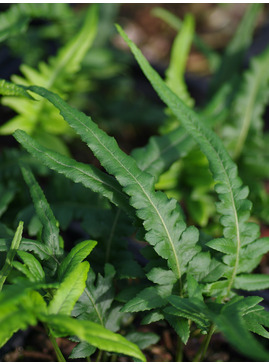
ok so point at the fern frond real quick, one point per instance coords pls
(162, 151)
(234, 207)
(50, 232)
(88, 175)
(95, 302)
(177, 66)
(56, 75)
(10, 89)
(163, 220)
(176, 23)
(251, 101)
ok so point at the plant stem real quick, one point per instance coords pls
(201, 353)
(58, 352)
(99, 356)
(179, 354)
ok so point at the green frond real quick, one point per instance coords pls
(57, 75)
(50, 232)
(88, 175)
(234, 207)
(176, 23)
(179, 55)
(163, 220)
(250, 103)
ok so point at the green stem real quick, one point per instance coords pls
(58, 352)
(99, 356)
(201, 353)
(179, 355)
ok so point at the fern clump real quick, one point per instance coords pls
(182, 276)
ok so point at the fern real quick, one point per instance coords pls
(176, 23)
(196, 285)
(15, 20)
(10, 89)
(50, 233)
(162, 151)
(179, 53)
(56, 75)
(21, 306)
(22, 296)
(254, 94)
(166, 230)
(89, 176)
(234, 207)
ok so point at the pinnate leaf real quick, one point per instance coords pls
(191, 309)
(95, 302)
(234, 207)
(163, 220)
(232, 325)
(88, 175)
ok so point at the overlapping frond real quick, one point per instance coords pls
(233, 206)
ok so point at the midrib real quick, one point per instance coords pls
(170, 240)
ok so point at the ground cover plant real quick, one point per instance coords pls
(191, 279)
